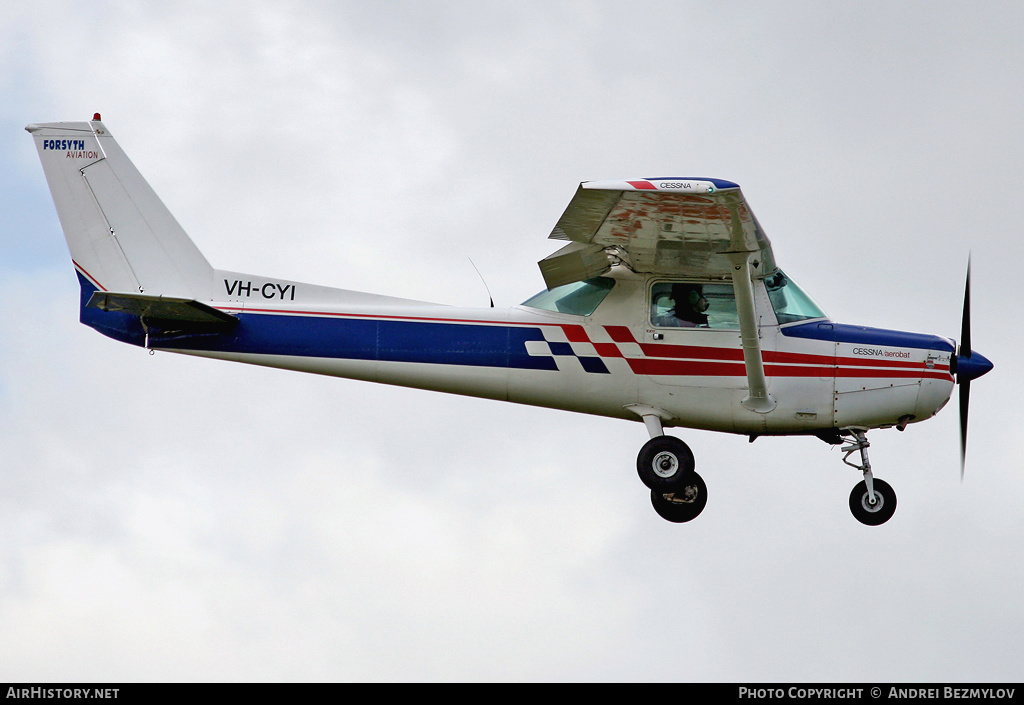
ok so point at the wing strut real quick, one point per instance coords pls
(758, 399)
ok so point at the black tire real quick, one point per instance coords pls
(663, 462)
(883, 509)
(685, 504)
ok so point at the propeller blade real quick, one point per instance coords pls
(965, 321)
(965, 384)
(965, 395)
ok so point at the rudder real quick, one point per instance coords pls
(121, 236)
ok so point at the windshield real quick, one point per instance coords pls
(579, 298)
(790, 302)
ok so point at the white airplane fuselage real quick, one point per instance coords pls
(610, 363)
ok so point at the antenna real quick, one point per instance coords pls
(483, 280)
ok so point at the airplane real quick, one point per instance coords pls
(665, 307)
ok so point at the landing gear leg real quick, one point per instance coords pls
(872, 501)
(860, 442)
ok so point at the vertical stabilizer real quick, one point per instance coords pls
(121, 236)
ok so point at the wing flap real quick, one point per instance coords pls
(574, 262)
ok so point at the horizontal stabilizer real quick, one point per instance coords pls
(166, 312)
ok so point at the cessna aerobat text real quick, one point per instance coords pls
(665, 306)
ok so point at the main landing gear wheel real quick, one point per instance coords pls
(879, 512)
(685, 503)
(664, 462)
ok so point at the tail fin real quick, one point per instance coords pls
(121, 236)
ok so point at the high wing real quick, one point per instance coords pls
(675, 226)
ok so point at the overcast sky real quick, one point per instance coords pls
(169, 518)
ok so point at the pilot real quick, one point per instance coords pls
(683, 307)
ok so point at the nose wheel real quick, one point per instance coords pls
(874, 512)
(872, 501)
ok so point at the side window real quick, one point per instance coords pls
(579, 298)
(688, 305)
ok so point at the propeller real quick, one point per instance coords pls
(969, 365)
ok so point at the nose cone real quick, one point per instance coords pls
(971, 367)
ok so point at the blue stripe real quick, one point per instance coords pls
(346, 338)
(374, 339)
(594, 365)
(842, 333)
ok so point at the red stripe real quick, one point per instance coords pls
(622, 334)
(893, 374)
(690, 351)
(608, 350)
(642, 184)
(88, 276)
(576, 334)
(682, 368)
(341, 314)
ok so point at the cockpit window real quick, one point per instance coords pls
(685, 305)
(790, 302)
(579, 298)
